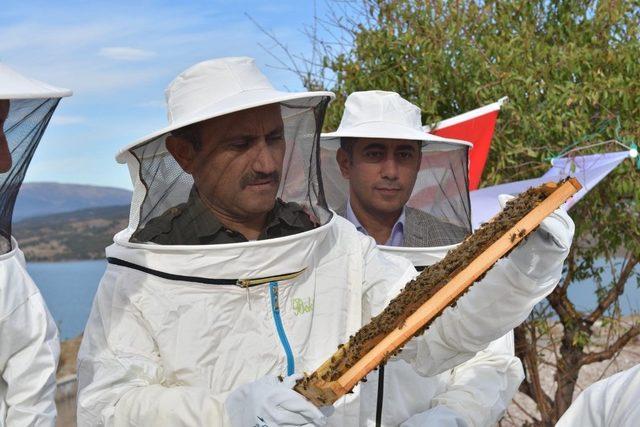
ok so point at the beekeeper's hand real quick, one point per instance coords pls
(547, 247)
(271, 402)
(440, 416)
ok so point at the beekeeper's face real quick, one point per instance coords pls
(381, 172)
(5, 155)
(236, 161)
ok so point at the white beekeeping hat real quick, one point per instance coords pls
(26, 106)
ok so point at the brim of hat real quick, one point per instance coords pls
(14, 85)
(242, 101)
(384, 130)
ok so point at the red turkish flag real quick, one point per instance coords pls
(476, 127)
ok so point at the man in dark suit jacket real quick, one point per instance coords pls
(380, 152)
(419, 229)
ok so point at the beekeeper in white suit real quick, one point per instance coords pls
(233, 271)
(612, 402)
(29, 345)
(409, 190)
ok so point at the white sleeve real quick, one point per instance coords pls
(120, 374)
(29, 354)
(479, 390)
(494, 306)
(491, 308)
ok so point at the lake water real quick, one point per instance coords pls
(69, 287)
(583, 294)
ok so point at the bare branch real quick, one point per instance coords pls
(599, 356)
(283, 66)
(611, 361)
(526, 350)
(522, 408)
(549, 363)
(563, 307)
(615, 292)
(339, 26)
(522, 349)
(293, 66)
(571, 268)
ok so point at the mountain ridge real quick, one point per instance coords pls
(45, 198)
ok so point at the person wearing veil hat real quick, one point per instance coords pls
(29, 345)
(233, 272)
(408, 189)
(380, 149)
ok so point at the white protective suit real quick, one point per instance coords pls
(474, 393)
(29, 345)
(436, 217)
(167, 350)
(613, 401)
(29, 348)
(175, 328)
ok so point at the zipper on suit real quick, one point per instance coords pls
(275, 309)
(245, 283)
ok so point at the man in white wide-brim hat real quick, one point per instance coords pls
(380, 147)
(233, 270)
(29, 345)
(409, 190)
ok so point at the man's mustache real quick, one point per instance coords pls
(258, 177)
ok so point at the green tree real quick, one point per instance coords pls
(571, 71)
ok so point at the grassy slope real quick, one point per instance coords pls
(74, 235)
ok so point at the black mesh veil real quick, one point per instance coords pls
(441, 190)
(161, 186)
(442, 187)
(23, 128)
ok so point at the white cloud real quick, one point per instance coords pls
(58, 119)
(123, 53)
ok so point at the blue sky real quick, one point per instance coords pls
(119, 56)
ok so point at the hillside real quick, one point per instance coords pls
(44, 198)
(82, 234)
